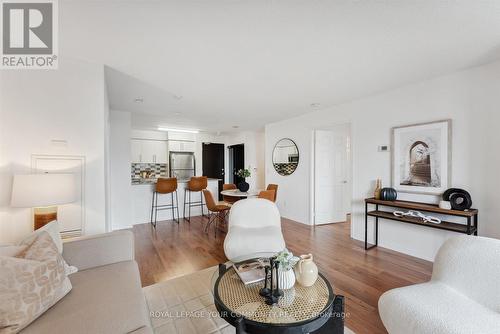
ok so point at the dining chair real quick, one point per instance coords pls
(268, 194)
(272, 186)
(165, 186)
(254, 228)
(217, 210)
(229, 199)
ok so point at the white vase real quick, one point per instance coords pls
(286, 278)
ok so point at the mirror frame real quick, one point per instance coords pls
(274, 149)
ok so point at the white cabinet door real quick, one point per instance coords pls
(188, 146)
(136, 150)
(174, 146)
(160, 152)
(148, 151)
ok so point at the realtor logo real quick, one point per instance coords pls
(29, 34)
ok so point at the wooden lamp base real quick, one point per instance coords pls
(43, 216)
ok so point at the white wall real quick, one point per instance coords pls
(254, 155)
(120, 164)
(38, 106)
(470, 98)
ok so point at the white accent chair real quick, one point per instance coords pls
(463, 295)
(254, 229)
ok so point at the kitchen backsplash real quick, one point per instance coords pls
(155, 169)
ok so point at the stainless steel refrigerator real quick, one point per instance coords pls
(182, 165)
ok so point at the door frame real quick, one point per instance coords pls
(312, 188)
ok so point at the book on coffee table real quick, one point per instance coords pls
(250, 272)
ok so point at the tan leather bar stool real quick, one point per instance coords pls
(217, 210)
(195, 184)
(229, 199)
(165, 186)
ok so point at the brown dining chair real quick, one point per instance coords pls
(267, 194)
(194, 185)
(274, 187)
(165, 186)
(229, 199)
(217, 210)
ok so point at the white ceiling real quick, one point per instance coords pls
(217, 63)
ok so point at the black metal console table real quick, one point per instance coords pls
(471, 215)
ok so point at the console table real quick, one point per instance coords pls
(469, 228)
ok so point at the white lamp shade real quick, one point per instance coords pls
(38, 190)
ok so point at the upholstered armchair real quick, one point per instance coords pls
(463, 295)
(254, 229)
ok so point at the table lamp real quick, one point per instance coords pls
(43, 192)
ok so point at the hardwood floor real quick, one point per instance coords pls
(173, 250)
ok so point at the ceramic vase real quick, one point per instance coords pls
(306, 271)
(286, 278)
(243, 186)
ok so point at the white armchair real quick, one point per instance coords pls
(463, 295)
(254, 228)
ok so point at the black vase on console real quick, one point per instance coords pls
(243, 186)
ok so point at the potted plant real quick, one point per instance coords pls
(286, 275)
(243, 186)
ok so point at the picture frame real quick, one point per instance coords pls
(421, 157)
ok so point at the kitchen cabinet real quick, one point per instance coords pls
(181, 146)
(149, 151)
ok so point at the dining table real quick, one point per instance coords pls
(240, 194)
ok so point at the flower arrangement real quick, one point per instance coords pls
(286, 259)
(243, 173)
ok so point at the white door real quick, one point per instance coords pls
(331, 175)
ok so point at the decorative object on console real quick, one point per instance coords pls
(306, 271)
(421, 157)
(43, 192)
(445, 205)
(459, 199)
(286, 274)
(285, 157)
(243, 186)
(378, 187)
(388, 194)
(411, 213)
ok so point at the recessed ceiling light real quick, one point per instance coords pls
(315, 105)
(177, 113)
(179, 130)
(138, 100)
(178, 97)
(235, 126)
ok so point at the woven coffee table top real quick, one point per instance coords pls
(297, 305)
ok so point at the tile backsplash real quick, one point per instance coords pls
(155, 169)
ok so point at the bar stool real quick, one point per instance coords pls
(165, 186)
(218, 210)
(195, 184)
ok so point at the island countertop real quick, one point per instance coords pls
(153, 181)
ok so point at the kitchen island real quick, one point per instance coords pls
(142, 195)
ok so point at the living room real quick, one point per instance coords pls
(345, 152)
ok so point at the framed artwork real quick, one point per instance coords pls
(421, 157)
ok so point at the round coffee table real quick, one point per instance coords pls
(314, 309)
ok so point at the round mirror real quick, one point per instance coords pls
(285, 157)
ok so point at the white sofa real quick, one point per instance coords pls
(254, 230)
(106, 297)
(463, 295)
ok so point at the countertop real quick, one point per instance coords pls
(153, 181)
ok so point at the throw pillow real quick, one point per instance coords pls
(31, 283)
(52, 229)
